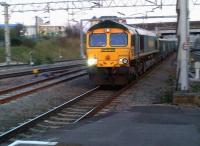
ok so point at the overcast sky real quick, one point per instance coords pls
(62, 17)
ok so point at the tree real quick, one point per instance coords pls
(16, 34)
(72, 31)
(18, 31)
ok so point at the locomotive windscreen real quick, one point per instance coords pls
(118, 39)
(98, 40)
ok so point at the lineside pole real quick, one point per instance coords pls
(184, 44)
(36, 27)
(81, 40)
(7, 33)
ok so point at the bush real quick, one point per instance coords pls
(49, 59)
(37, 60)
(167, 98)
(16, 41)
(30, 43)
(20, 53)
(2, 55)
(72, 31)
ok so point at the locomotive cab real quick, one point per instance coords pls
(108, 49)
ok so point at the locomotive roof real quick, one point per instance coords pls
(114, 24)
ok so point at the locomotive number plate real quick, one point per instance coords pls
(108, 50)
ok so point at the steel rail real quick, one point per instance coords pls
(41, 70)
(66, 72)
(7, 135)
(15, 96)
(26, 64)
(14, 65)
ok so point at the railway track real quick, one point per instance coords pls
(83, 106)
(14, 65)
(28, 65)
(41, 70)
(57, 77)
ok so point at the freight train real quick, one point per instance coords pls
(195, 51)
(117, 53)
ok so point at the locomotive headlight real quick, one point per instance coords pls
(92, 61)
(123, 60)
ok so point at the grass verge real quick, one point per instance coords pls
(45, 51)
(168, 95)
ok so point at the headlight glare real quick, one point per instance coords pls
(91, 61)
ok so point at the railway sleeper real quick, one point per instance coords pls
(43, 126)
(57, 123)
(36, 130)
(63, 119)
(81, 109)
(64, 114)
(47, 126)
(72, 116)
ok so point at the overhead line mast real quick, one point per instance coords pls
(7, 33)
(183, 50)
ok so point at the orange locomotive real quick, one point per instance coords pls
(117, 52)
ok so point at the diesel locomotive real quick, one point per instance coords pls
(117, 53)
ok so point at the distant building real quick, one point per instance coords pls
(30, 31)
(45, 30)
